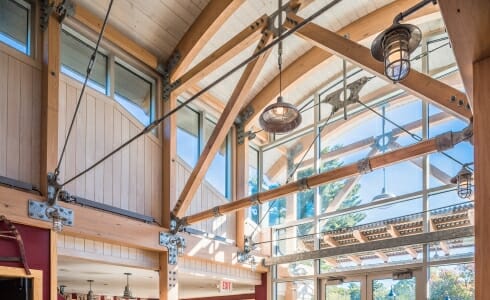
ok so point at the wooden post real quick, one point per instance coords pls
(169, 135)
(50, 93)
(241, 187)
(481, 122)
(168, 282)
(53, 264)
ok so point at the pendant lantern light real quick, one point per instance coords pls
(394, 45)
(90, 294)
(127, 294)
(463, 181)
(280, 117)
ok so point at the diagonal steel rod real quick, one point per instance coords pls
(211, 85)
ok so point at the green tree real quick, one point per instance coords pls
(328, 193)
(455, 282)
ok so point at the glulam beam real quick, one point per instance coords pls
(209, 21)
(375, 162)
(467, 24)
(416, 83)
(235, 103)
(316, 58)
(241, 41)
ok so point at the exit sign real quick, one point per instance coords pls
(225, 286)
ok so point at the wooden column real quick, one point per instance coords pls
(168, 282)
(53, 264)
(481, 122)
(169, 135)
(50, 95)
(241, 188)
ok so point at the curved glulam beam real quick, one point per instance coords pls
(315, 58)
(220, 56)
(209, 21)
(416, 83)
(236, 102)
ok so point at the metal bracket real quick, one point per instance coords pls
(255, 199)
(175, 246)
(54, 189)
(177, 224)
(245, 255)
(243, 117)
(303, 184)
(42, 211)
(65, 9)
(168, 86)
(275, 26)
(216, 212)
(354, 88)
(449, 139)
(364, 166)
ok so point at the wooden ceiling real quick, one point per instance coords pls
(156, 25)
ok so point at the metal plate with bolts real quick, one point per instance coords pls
(40, 211)
(175, 245)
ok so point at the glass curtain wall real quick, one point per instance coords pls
(410, 197)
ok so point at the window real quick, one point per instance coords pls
(188, 135)
(75, 55)
(132, 89)
(218, 174)
(193, 132)
(15, 24)
(134, 93)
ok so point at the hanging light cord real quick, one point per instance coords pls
(279, 48)
(90, 67)
(291, 174)
(253, 57)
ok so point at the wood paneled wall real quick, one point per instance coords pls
(131, 179)
(205, 198)
(71, 246)
(20, 119)
(218, 271)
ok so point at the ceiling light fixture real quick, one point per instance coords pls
(280, 117)
(127, 290)
(463, 181)
(90, 294)
(394, 45)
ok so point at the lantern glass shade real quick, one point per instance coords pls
(394, 46)
(396, 54)
(463, 181)
(280, 117)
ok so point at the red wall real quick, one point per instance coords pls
(36, 244)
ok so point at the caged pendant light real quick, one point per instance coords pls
(280, 117)
(394, 45)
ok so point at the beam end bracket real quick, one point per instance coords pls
(364, 166)
(60, 216)
(175, 245)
